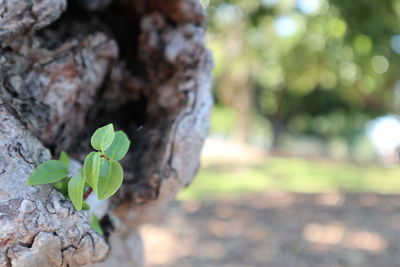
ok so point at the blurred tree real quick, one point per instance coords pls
(311, 66)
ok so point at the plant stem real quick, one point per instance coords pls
(87, 193)
(103, 154)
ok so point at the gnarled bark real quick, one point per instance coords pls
(141, 65)
(38, 225)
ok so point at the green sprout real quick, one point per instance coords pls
(101, 170)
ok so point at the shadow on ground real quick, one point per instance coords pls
(279, 230)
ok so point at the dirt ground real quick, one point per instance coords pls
(279, 230)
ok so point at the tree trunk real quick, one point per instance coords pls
(65, 71)
(242, 104)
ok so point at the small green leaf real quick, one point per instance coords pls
(119, 146)
(103, 137)
(62, 186)
(64, 159)
(110, 179)
(91, 169)
(105, 170)
(75, 190)
(96, 225)
(85, 205)
(48, 172)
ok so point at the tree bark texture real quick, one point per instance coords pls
(69, 68)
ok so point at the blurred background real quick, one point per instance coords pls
(301, 165)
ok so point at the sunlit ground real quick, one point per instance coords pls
(279, 230)
(246, 208)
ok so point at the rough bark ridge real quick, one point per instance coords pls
(66, 71)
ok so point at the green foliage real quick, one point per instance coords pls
(91, 169)
(62, 186)
(110, 179)
(340, 60)
(103, 137)
(64, 159)
(119, 146)
(85, 205)
(48, 172)
(101, 170)
(96, 225)
(76, 185)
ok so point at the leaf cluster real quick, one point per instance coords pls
(101, 170)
